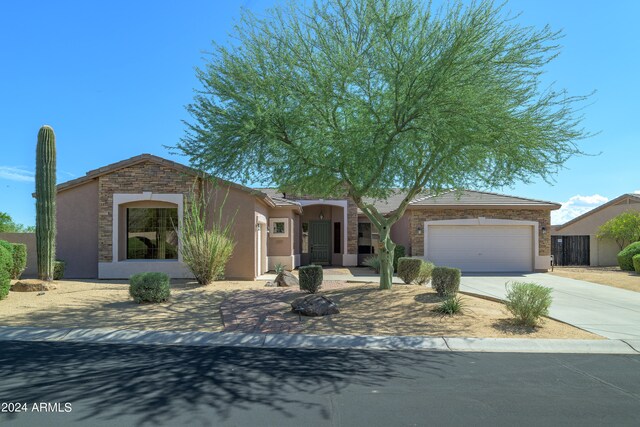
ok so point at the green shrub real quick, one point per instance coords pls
(409, 269)
(527, 302)
(58, 269)
(19, 259)
(5, 283)
(6, 263)
(310, 278)
(625, 256)
(374, 262)
(399, 252)
(452, 305)
(149, 287)
(279, 268)
(445, 280)
(636, 263)
(426, 269)
(6, 259)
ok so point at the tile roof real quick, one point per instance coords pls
(479, 198)
(274, 197)
(635, 197)
(446, 199)
(95, 173)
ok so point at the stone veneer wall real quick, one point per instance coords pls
(419, 216)
(352, 227)
(147, 176)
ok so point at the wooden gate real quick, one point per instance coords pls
(570, 250)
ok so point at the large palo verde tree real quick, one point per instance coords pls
(357, 98)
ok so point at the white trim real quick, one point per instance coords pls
(538, 262)
(349, 260)
(344, 205)
(117, 269)
(120, 199)
(262, 260)
(289, 261)
(261, 219)
(272, 229)
(124, 269)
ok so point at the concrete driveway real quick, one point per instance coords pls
(604, 310)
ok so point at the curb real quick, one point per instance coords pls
(303, 341)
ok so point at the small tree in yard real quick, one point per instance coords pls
(624, 229)
(207, 243)
(356, 98)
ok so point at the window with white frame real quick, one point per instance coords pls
(278, 227)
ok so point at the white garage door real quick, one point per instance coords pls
(481, 248)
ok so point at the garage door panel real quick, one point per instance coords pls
(478, 248)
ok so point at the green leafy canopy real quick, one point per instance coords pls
(368, 95)
(624, 228)
(358, 98)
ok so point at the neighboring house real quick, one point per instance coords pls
(575, 242)
(117, 220)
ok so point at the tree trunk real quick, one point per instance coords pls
(386, 253)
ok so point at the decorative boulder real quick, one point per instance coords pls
(314, 305)
(32, 285)
(285, 279)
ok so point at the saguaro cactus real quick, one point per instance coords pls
(46, 202)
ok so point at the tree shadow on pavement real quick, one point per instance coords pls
(154, 384)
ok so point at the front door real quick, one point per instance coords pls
(319, 242)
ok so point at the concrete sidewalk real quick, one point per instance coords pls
(604, 310)
(366, 342)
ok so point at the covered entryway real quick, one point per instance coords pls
(481, 248)
(320, 242)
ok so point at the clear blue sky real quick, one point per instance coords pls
(112, 78)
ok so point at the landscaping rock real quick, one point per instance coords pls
(32, 285)
(270, 285)
(314, 305)
(285, 279)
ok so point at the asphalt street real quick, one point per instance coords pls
(63, 384)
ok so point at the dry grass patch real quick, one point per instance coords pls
(609, 276)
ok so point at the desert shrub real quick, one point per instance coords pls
(58, 269)
(452, 305)
(149, 287)
(409, 269)
(445, 280)
(19, 259)
(399, 252)
(373, 261)
(279, 268)
(625, 256)
(310, 278)
(527, 302)
(5, 283)
(636, 263)
(6, 260)
(426, 268)
(206, 250)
